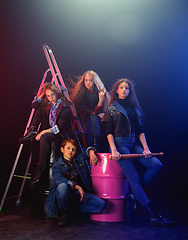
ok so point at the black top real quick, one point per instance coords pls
(130, 112)
(132, 116)
(87, 104)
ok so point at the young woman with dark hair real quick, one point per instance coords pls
(123, 125)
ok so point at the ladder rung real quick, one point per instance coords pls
(21, 176)
(12, 197)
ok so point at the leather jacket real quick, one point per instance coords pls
(118, 116)
(63, 118)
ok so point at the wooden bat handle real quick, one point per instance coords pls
(125, 156)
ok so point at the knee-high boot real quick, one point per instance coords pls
(38, 175)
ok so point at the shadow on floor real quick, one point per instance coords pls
(16, 223)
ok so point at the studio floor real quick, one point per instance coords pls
(16, 223)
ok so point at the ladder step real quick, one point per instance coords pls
(21, 176)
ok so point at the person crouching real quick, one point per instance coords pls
(72, 184)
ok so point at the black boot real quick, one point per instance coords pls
(64, 219)
(31, 133)
(38, 176)
(96, 142)
(156, 218)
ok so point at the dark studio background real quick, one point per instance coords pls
(145, 41)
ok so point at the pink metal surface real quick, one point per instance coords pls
(110, 183)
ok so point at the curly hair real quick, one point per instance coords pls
(79, 89)
(131, 97)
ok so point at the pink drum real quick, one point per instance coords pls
(110, 183)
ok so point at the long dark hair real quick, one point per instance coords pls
(131, 97)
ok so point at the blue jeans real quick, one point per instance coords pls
(126, 145)
(91, 203)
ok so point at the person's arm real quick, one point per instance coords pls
(64, 117)
(93, 157)
(101, 98)
(37, 100)
(90, 152)
(41, 133)
(143, 141)
(98, 108)
(81, 191)
(40, 96)
(115, 154)
(54, 130)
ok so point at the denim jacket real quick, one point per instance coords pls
(59, 169)
(117, 114)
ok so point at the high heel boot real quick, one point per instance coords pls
(156, 218)
(31, 133)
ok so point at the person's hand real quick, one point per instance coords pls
(147, 153)
(115, 155)
(101, 97)
(101, 115)
(82, 193)
(101, 94)
(41, 95)
(93, 158)
(40, 134)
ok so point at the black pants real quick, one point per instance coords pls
(40, 117)
(45, 147)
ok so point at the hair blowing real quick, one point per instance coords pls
(79, 88)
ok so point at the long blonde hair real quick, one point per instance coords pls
(79, 88)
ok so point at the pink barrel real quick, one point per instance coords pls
(110, 183)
